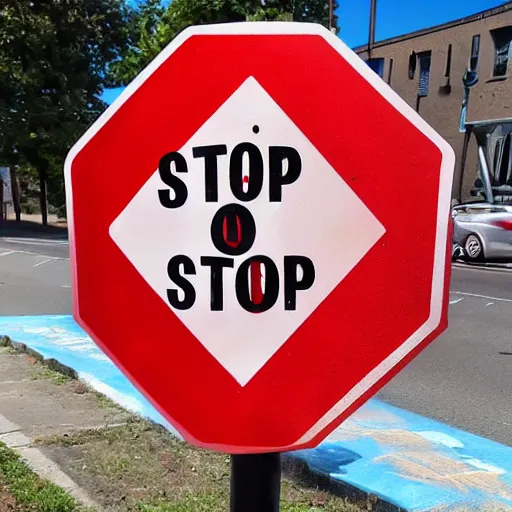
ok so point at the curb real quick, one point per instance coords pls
(491, 266)
(383, 457)
(52, 364)
(13, 437)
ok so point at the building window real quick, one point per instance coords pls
(502, 161)
(475, 52)
(448, 68)
(412, 65)
(424, 60)
(445, 86)
(390, 71)
(502, 38)
(377, 65)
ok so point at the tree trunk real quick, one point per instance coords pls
(2, 205)
(43, 194)
(15, 190)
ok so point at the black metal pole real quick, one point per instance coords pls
(255, 483)
(371, 28)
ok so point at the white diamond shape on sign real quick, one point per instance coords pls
(319, 217)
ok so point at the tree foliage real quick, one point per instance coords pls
(54, 64)
(158, 25)
(57, 56)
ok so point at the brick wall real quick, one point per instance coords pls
(491, 98)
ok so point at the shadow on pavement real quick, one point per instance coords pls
(27, 229)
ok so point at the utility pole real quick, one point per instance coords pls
(371, 32)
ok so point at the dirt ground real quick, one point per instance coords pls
(121, 462)
(140, 467)
(7, 501)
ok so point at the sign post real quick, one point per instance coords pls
(255, 482)
(255, 478)
(249, 268)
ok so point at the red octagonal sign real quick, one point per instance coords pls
(259, 231)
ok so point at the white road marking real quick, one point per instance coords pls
(43, 262)
(470, 268)
(489, 304)
(34, 254)
(478, 296)
(36, 241)
(65, 286)
(6, 253)
(456, 300)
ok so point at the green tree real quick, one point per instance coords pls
(314, 11)
(54, 64)
(158, 25)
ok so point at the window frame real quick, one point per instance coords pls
(421, 57)
(502, 37)
(381, 61)
(475, 52)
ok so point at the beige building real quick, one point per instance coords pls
(427, 67)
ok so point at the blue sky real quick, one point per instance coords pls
(394, 17)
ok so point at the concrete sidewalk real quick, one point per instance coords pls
(33, 406)
(407, 461)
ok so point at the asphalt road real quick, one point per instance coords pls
(34, 276)
(464, 378)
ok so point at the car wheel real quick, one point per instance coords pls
(473, 248)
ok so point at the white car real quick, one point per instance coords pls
(483, 230)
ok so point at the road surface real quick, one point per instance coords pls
(464, 378)
(34, 276)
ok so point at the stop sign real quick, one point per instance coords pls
(259, 231)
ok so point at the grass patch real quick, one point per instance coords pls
(140, 467)
(106, 403)
(31, 492)
(42, 372)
